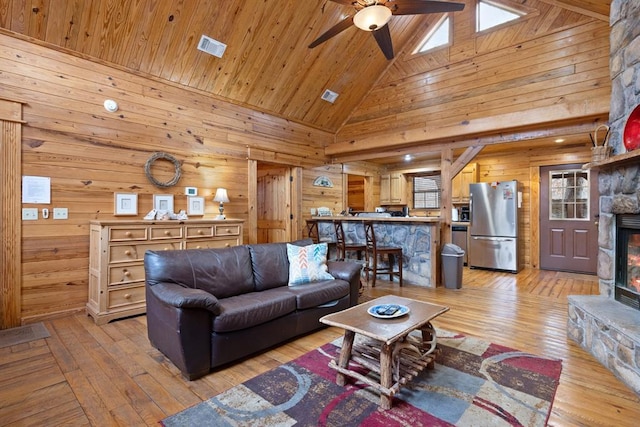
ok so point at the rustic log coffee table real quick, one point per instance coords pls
(390, 350)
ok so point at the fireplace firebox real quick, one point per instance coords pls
(627, 286)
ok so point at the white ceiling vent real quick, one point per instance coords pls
(211, 46)
(329, 96)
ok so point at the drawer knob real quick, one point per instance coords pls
(128, 234)
(200, 232)
(167, 233)
(127, 274)
(127, 253)
(227, 245)
(198, 247)
(127, 296)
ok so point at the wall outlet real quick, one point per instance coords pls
(60, 213)
(29, 214)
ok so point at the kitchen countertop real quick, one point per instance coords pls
(420, 219)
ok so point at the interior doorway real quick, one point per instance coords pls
(568, 219)
(274, 201)
(356, 192)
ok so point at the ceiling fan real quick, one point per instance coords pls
(374, 15)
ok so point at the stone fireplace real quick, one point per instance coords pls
(627, 268)
(605, 325)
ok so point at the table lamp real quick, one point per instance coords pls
(221, 197)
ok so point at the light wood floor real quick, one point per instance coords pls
(110, 375)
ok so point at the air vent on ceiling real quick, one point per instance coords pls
(329, 96)
(211, 46)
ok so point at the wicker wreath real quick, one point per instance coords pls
(160, 155)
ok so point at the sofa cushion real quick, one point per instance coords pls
(271, 264)
(254, 308)
(311, 295)
(307, 264)
(222, 272)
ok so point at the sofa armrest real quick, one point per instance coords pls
(181, 297)
(350, 272)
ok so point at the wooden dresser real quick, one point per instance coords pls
(116, 269)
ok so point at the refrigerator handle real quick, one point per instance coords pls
(470, 209)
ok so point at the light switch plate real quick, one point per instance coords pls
(60, 213)
(191, 191)
(29, 214)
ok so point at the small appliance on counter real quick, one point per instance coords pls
(464, 214)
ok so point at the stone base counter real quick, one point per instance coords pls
(418, 237)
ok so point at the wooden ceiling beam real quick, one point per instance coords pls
(585, 127)
(542, 117)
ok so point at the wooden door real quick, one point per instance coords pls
(568, 219)
(274, 203)
(355, 192)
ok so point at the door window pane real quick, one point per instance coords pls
(569, 194)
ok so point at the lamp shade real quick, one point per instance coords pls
(221, 196)
(372, 17)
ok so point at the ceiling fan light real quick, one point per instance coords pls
(372, 17)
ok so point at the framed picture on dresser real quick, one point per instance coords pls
(195, 206)
(125, 204)
(163, 202)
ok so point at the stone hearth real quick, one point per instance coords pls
(606, 328)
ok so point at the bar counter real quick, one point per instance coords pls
(419, 238)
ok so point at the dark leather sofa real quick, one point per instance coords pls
(210, 307)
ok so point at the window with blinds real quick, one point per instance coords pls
(426, 191)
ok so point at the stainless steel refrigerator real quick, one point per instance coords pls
(493, 226)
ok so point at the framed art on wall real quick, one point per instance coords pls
(125, 204)
(163, 202)
(195, 206)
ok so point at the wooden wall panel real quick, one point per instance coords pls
(10, 230)
(90, 154)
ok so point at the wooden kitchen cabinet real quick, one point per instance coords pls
(116, 258)
(460, 183)
(392, 189)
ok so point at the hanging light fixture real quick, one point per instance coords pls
(372, 17)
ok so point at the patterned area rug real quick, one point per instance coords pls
(22, 334)
(474, 383)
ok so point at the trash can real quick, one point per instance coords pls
(452, 263)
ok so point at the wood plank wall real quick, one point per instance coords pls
(551, 66)
(90, 154)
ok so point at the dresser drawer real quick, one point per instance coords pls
(227, 230)
(158, 233)
(124, 296)
(127, 253)
(195, 231)
(126, 274)
(128, 233)
(213, 244)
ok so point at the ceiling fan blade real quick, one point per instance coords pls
(383, 37)
(419, 7)
(345, 2)
(335, 30)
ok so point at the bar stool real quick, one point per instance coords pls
(312, 230)
(374, 251)
(343, 246)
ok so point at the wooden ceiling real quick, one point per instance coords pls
(267, 65)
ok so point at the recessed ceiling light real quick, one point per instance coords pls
(407, 157)
(559, 140)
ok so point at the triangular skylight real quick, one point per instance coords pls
(492, 14)
(438, 37)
